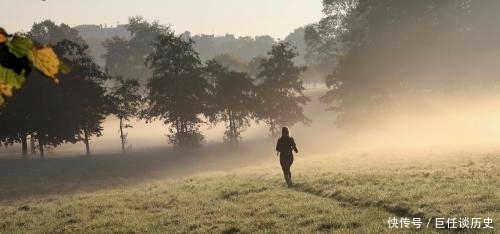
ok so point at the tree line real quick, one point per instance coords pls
(380, 53)
(172, 85)
(377, 54)
(208, 46)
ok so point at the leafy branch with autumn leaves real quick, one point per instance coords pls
(18, 55)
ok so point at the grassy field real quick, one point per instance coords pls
(338, 193)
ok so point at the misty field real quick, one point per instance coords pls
(338, 193)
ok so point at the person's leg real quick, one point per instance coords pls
(289, 172)
(286, 178)
(289, 178)
(285, 166)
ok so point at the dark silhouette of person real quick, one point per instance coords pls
(284, 148)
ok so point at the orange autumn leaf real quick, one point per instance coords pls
(3, 36)
(6, 89)
(45, 60)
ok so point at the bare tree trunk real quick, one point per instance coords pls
(231, 136)
(86, 141)
(40, 145)
(24, 145)
(183, 133)
(122, 137)
(178, 129)
(232, 129)
(32, 144)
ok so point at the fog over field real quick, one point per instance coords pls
(435, 123)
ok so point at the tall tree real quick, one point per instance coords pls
(254, 67)
(232, 62)
(14, 127)
(327, 40)
(177, 90)
(281, 89)
(297, 39)
(127, 57)
(47, 32)
(38, 109)
(233, 99)
(89, 103)
(387, 51)
(70, 111)
(28, 113)
(128, 103)
(246, 48)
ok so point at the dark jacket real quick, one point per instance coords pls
(285, 146)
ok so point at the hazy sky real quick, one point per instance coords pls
(240, 17)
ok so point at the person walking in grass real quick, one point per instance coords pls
(284, 148)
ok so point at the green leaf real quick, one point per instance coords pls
(11, 78)
(19, 46)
